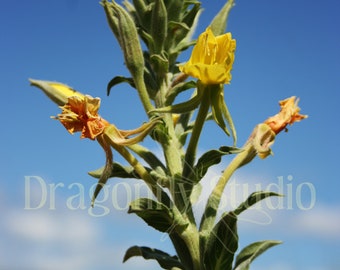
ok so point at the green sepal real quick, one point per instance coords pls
(253, 199)
(221, 113)
(221, 244)
(251, 252)
(155, 214)
(117, 80)
(219, 23)
(165, 260)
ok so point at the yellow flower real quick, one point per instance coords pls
(212, 58)
(288, 114)
(81, 114)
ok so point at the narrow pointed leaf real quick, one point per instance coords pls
(148, 157)
(251, 252)
(164, 259)
(117, 80)
(183, 107)
(253, 199)
(221, 244)
(179, 88)
(118, 171)
(211, 158)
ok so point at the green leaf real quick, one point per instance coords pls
(211, 158)
(254, 198)
(183, 107)
(251, 252)
(177, 89)
(221, 244)
(117, 80)
(155, 214)
(219, 23)
(164, 259)
(149, 157)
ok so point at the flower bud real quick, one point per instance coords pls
(57, 92)
(159, 26)
(125, 31)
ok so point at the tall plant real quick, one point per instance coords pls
(165, 28)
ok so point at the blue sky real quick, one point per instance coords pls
(284, 48)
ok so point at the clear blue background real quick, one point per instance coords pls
(284, 48)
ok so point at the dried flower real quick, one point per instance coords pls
(81, 114)
(212, 58)
(288, 114)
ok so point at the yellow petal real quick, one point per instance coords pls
(211, 59)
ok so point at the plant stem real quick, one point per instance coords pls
(211, 208)
(196, 132)
(143, 173)
(142, 91)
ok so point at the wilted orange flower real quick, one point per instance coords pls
(288, 114)
(212, 58)
(81, 114)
